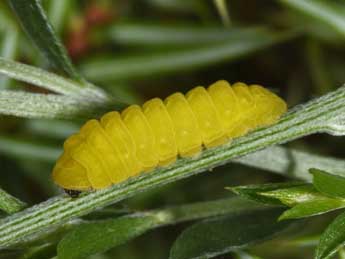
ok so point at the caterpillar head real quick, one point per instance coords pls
(68, 173)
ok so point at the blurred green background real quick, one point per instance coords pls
(141, 49)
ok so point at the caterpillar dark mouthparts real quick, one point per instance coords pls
(122, 145)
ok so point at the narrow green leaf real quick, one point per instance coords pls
(30, 105)
(20, 148)
(8, 50)
(10, 204)
(218, 236)
(255, 192)
(180, 60)
(295, 195)
(180, 6)
(9, 39)
(223, 11)
(6, 17)
(304, 198)
(332, 238)
(320, 73)
(327, 183)
(312, 208)
(57, 13)
(98, 237)
(137, 34)
(245, 255)
(34, 21)
(52, 128)
(325, 11)
(50, 81)
(292, 163)
(341, 253)
(303, 241)
(46, 251)
(9, 44)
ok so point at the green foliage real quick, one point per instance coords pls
(34, 21)
(328, 184)
(153, 48)
(99, 237)
(332, 239)
(312, 208)
(218, 236)
(28, 149)
(257, 192)
(49, 81)
(328, 13)
(292, 196)
(57, 13)
(34, 105)
(42, 252)
(318, 115)
(223, 11)
(324, 195)
(10, 204)
(76, 244)
(292, 163)
(187, 58)
(305, 199)
(167, 35)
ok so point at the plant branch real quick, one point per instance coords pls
(319, 115)
(32, 105)
(281, 160)
(50, 81)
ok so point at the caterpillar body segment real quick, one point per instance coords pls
(187, 132)
(121, 145)
(163, 129)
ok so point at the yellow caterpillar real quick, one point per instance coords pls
(122, 145)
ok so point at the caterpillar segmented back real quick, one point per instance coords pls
(139, 139)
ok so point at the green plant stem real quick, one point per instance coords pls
(277, 159)
(324, 114)
(198, 210)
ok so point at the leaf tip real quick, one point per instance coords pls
(232, 189)
(282, 217)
